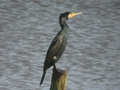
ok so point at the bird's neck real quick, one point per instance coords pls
(64, 28)
(63, 23)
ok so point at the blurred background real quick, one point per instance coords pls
(92, 56)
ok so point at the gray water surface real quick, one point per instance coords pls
(92, 56)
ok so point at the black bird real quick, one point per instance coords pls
(58, 44)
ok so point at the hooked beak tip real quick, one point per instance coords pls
(78, 13)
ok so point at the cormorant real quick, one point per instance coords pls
(58, 44)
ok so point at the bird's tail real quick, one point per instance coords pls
(43, 76)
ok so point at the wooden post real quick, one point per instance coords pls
(59, 78)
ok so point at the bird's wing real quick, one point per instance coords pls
(55, 45)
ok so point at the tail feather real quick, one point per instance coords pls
(43, 76)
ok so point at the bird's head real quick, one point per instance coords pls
(65, 16)
(68, 15)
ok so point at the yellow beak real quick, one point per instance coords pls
(72, 14)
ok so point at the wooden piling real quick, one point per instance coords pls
(59, 78)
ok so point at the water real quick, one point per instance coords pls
(92, 56)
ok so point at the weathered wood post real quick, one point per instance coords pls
(59, 78)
